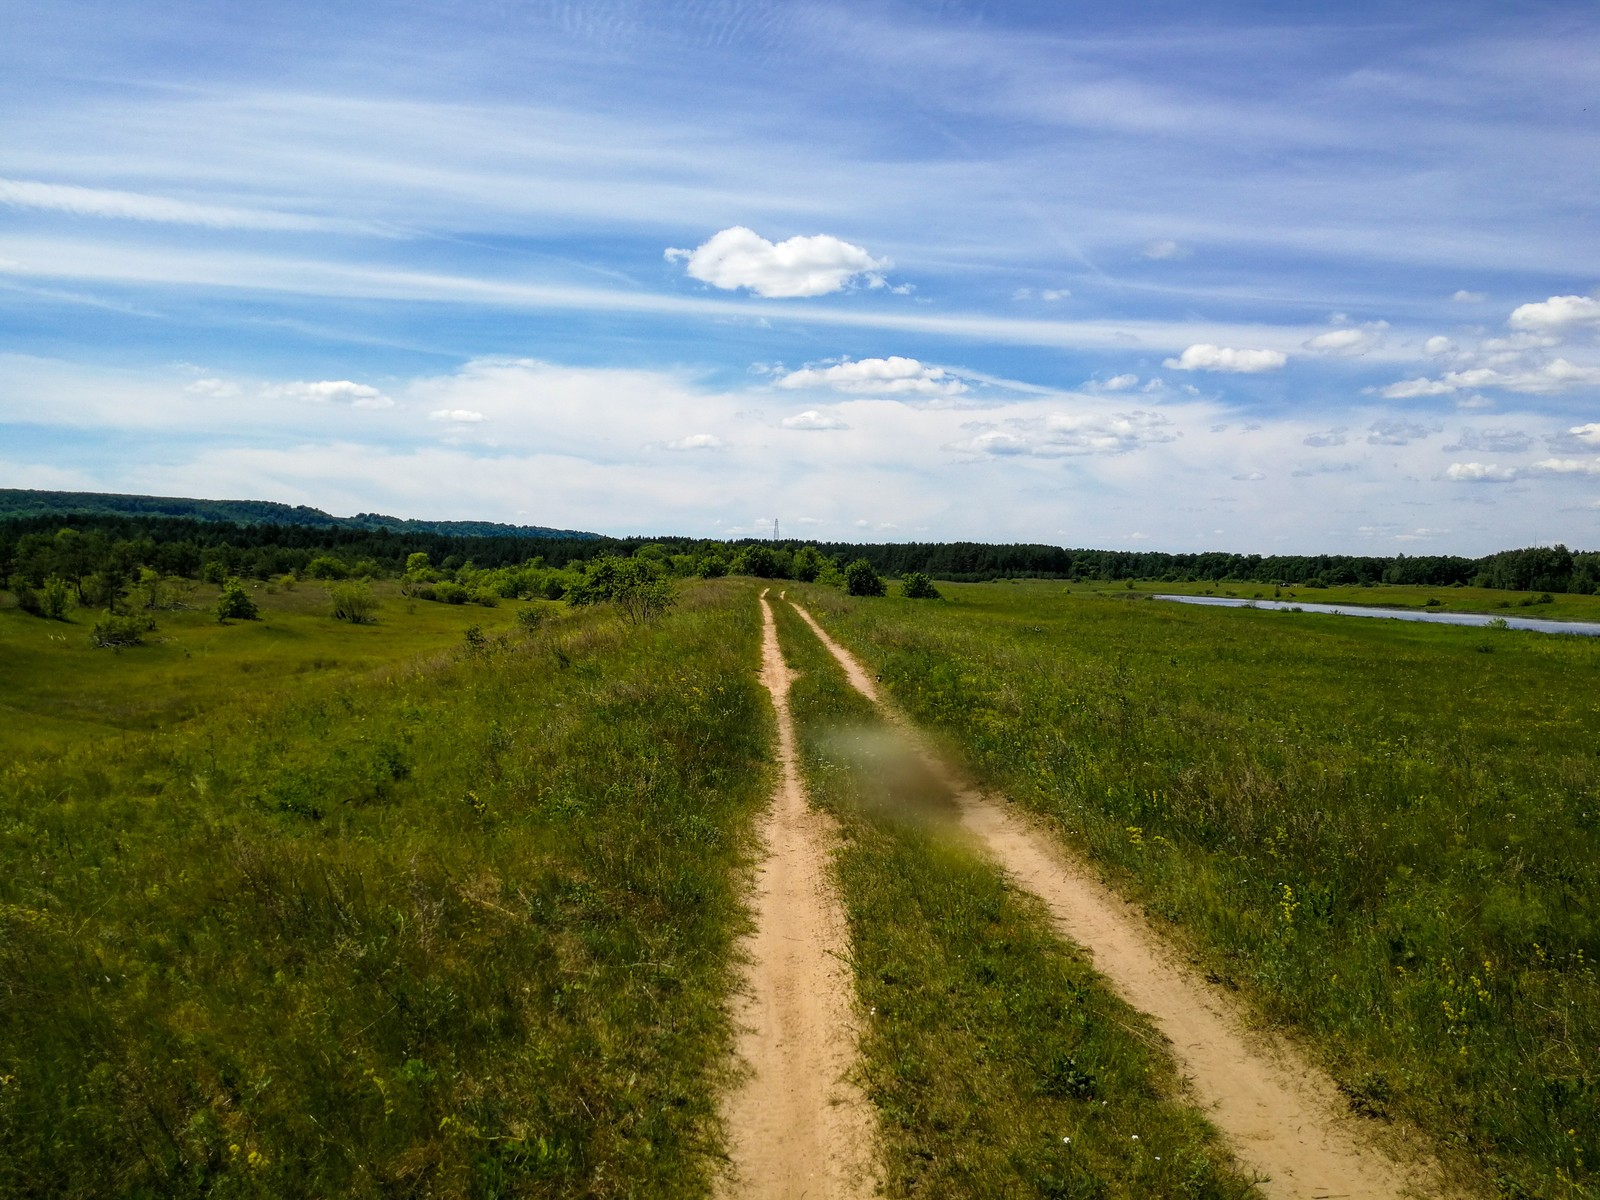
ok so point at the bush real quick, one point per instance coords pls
(630, 583)
(325, 566)
(914, 585)
(861, 580)
(115, 632)
(447, 592)
(535, 615)
(235, 603)
(55, 599)
(353, 602)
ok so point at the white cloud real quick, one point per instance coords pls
(812, 419)
(1348, 340)
(1491, 441)
(1438, 345)
(1473, 472)
(459, 416)
(1462, 296)
(1551, 378)
(1559, 314)
(219, 389)
(1119, 383)
(1474, 401)
(135, 206)
(1568, 466)
(801, 266)
(1163, 248)
(892, 376)
(1411, 389)
(1333, 437)
(1066, 435)
(696, 441)
(1589, 433)
(1395, 432)
(333, 391)
(1249, 477)
(1205, 357)
(1049, 295)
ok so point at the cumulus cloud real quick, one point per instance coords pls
(1347, 340)
(1462, 296)
(1589, 433)
(812, 419)
(1117, 383)
(1491, 441)
(1203, 356)
(1066, 435)
(800, 266)
(892, 376)
(1568, 466)
(1395, 433)
(1475, 472)
(1438, 345)
(457, 416)
(1163, 248)
(696, 441)
(1557, 315)
(333, 391)
(217, 389)
(1547, 379)
(1333, 437)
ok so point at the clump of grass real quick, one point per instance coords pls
(464, 931)
(999, 1064)
(1383, 836)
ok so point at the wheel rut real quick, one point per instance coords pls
(1281, 1114)
(797, 1125)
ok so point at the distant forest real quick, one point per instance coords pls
(79, 545)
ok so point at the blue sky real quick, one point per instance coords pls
(1173, 276)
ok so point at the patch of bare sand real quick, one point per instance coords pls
(797, 1125)
(1281, 1115)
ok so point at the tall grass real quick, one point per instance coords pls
(1388, 835)
(464, 932)
(1000, 1066)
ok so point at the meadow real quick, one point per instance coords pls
(448, 916)
(1385, 836)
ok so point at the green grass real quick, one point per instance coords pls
(987, 1041)
(1386, 834)
(463, 928)
(59, 689)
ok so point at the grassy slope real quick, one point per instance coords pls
(462, 930)
(59, 689)
(987, 1041)
(1388, 834)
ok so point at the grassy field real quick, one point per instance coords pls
(457, 927)
(60, 689)
(999, 1064)
(1386, 834)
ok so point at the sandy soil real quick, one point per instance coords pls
(797, 1126)
(1281, 1115)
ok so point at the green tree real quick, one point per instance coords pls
(235, 604)
(354, 602)
(632, 584)
(325, 566)
(861, 580)
(914, 585)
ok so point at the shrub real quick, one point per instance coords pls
(630, 583)
(861, 580)
(325, 566)
(447, 592)
(914, 585)
(115, 632)
(353, 602)
(235, 603)
(55, 598)
(535, 615)
(713, 566)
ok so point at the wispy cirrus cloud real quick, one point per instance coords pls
(137, 206)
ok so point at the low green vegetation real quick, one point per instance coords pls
(460, 928)
(1386, 834)
(999, 1065)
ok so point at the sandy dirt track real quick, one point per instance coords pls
(1281, 1115)
(797, 1126)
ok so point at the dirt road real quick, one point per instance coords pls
(797, 1126)
(1281, 1115)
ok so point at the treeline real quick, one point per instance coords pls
(79, 547)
